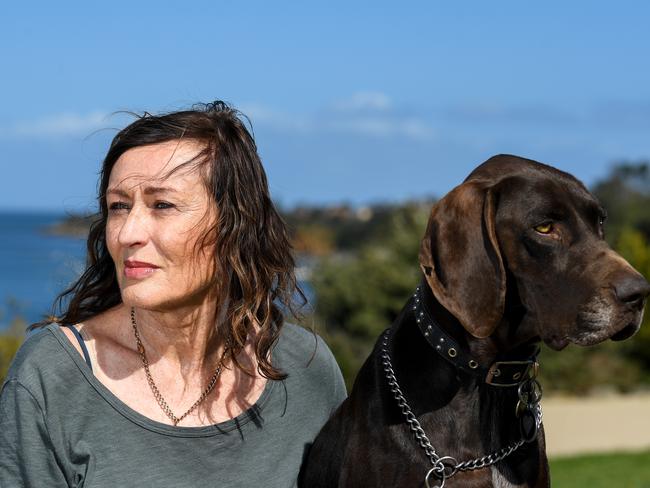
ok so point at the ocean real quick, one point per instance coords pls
(34, 265)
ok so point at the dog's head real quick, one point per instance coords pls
(533, 231)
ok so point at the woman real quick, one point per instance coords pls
(171, 365)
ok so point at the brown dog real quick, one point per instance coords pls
(512, 256)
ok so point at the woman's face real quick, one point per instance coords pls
(154, 223)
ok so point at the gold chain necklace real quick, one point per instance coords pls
(156, 393)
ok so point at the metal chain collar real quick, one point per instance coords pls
(444, 467)
(154, 389)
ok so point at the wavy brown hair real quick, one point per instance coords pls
(253, 252)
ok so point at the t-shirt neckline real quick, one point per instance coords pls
(250, 414)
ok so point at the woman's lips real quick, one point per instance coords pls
(138, 269)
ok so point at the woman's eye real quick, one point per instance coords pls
(163, 205)
(115, 206)
(544, 228)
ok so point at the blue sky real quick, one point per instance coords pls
(353, 102)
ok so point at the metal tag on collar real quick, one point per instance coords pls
(511, 373)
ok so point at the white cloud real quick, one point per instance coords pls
(60, 125)
(365, 113)
(384, 127)
(365, 101)
(261, 114)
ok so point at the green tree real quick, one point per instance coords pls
(634, 247)
(359, 295)
(10, 341)
(625, 194)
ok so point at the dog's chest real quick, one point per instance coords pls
(498, 480)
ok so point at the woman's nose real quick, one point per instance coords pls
(134, 229)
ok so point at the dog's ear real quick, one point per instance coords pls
(461, 260)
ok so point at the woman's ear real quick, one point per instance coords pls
(461, 260)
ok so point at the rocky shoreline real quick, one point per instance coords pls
(71, 226)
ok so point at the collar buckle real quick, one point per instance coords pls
(511, 373)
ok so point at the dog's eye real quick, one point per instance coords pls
(544, 228)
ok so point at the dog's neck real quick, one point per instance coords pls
(438, 387)
(512, 337)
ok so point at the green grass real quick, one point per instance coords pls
(620, 470)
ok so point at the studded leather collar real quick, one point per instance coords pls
(500, 373)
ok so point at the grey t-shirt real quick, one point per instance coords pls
(59, 426)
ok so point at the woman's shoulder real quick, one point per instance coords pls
(303, 344)
(307, 359)
(36, 357)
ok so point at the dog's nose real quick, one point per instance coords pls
(632, 289)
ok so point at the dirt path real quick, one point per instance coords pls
(609, 423)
